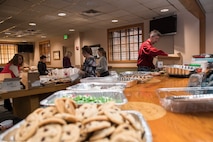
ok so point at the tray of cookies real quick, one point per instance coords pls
(87, 96)
(97, 86)
(65, 121)
(181, 71)
(186, 99)
(140, 76)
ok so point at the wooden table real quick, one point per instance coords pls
(25, 101)
(168, 126)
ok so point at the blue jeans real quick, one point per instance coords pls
(144, 68)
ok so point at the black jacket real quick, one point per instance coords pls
(42, 68)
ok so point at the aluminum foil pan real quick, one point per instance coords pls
(97, 86)
(188, 99)
(115, 95)
(8, 135)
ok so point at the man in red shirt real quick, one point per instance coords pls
(147, 52)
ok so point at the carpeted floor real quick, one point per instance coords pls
(7, 115)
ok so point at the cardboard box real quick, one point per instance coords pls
(30, 79)
(10, 84)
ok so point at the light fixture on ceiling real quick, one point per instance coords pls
(43, 36)
(114, 21)
(32, 24)
(164, 10)
(7, 33)
(62, 14)
(71, 30)
(91, 13)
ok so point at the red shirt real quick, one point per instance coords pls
(146, 54)
(7, 70)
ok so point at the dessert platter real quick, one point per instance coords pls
(66, 121)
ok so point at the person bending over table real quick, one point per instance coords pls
(89, 65)
(147, 52)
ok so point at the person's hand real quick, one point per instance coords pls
(80, 72)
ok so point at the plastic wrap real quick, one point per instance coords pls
(188, 99)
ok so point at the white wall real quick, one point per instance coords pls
(209, 33)
(56, 44)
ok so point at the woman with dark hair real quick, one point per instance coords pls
(13, 67)
(66, 60)
(102, 67)
(89, 65)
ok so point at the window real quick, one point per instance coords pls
(124, 43)
(44, 49)
(7, 51)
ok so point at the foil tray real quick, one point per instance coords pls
(188, 99)
(97, 86)
(137, 115)
(117, 95)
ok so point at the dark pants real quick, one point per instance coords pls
(106, 73)
(144, 68)
(8, 105)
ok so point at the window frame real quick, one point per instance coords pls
(127, 37)
(11, 56)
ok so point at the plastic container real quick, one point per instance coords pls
(188, 99)
(6, 124)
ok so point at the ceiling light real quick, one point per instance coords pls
(114, 21)
(62, 14)
(19, 36)
(91, 13)
(32, 24)
(43, 36)
(7, 33)
(71, 30)
(164, 10)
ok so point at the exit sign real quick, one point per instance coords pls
(66, 36)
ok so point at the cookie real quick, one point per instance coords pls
(69, 106)
(47, 113)
(70, 133)
(52, 120)
(67, 117)
(47, 133)
(125, 137)
(26, 130)
(96, 125)
(114, 116)
(59, 104)
(95, 118)
(101, 140)
(101, 134)
(131, 120)
(122, 128)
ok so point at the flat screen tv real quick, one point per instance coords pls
(28, 48)
(165, 25)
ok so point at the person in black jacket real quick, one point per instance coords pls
(42, 68)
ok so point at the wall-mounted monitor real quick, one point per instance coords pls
(166, 25)
(28, 48)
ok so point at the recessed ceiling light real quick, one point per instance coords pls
(32, 24)
(7, 33)
(164, 10)
(43, 36)
(71, 30)
(62, 14)
(19, 36)
(114, 21)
